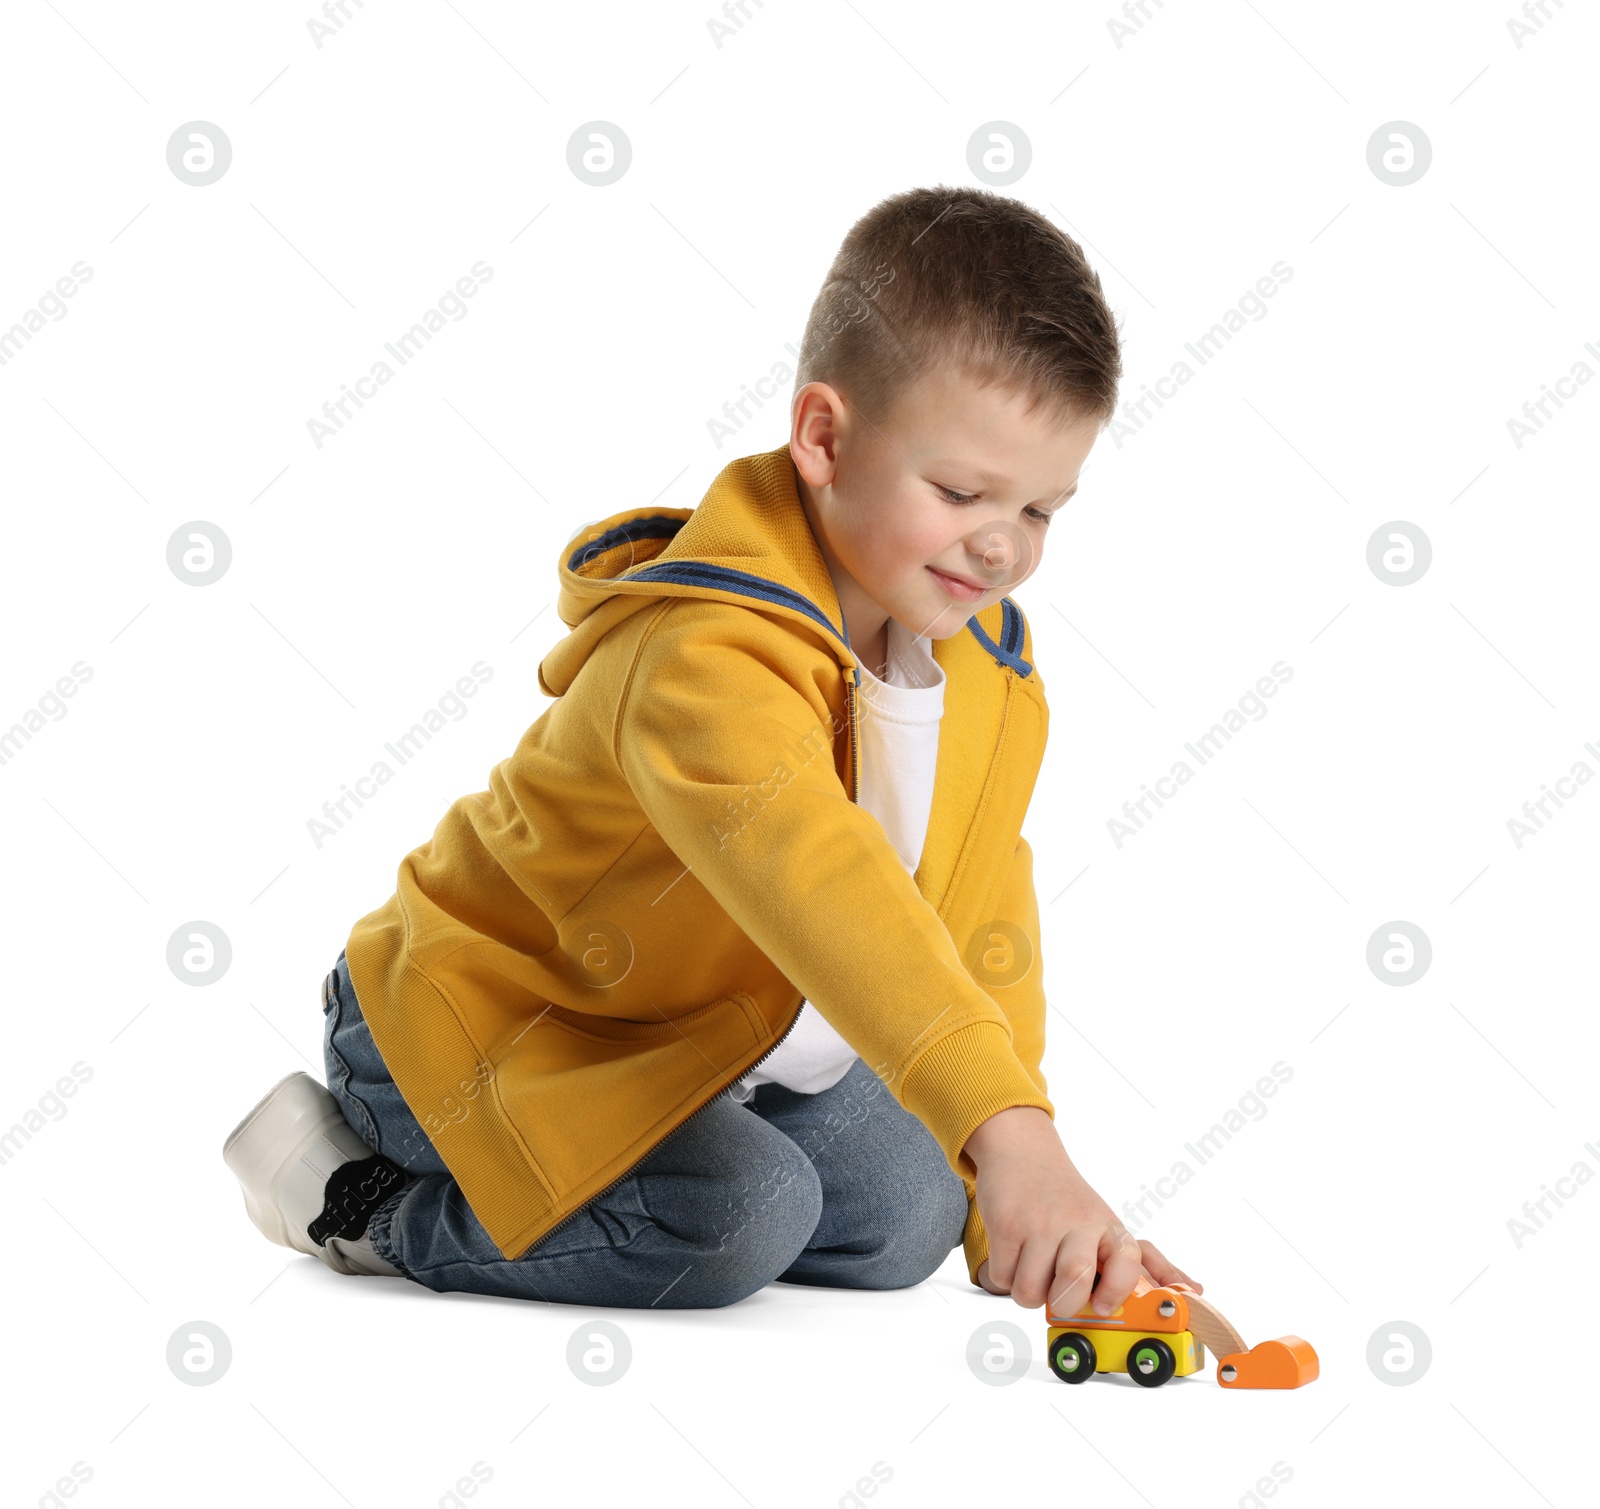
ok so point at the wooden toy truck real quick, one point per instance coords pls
(1162, 1333)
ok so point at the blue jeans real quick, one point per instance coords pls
(845, 1189)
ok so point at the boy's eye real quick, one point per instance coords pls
(952, 496)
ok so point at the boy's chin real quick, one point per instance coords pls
(950, 622)
(936, 616)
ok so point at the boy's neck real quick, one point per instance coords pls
(866, 621)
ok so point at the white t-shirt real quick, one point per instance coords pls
(898, 728)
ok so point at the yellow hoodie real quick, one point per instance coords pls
(673, 859)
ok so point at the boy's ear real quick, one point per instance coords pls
(814, 436)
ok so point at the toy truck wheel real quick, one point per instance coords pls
(1072, 1357)
(1150, 1362)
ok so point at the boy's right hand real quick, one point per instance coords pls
(1048, 1230)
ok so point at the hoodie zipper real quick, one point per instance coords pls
(855, 761)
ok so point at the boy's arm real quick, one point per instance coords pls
(708, 727)
(1024, 1006)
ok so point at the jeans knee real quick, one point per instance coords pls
(768, 1220)
(921, 1227)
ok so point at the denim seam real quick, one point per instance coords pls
(342, 1092)
(378, 1229)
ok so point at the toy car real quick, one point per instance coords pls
(1159, 1333)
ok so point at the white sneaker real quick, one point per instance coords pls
(310, 1181)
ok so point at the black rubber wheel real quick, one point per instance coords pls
(1150, 1362)
(1072, 1357)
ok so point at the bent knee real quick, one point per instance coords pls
(764, 1223)
(921, 1225)
(769, 1216)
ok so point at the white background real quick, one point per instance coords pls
(1228, 534)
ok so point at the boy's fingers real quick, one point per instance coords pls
(1073, 1277)
(986, 1281)
(1000, 1267)
(1163, 1271)
(1036, 1276)
(1157, 1264)
(1119, 1268)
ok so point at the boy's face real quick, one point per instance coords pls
(952, 486)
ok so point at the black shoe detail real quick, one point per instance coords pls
(353, 1192)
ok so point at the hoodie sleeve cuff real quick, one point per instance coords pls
(963, 1080)
(974, 1240)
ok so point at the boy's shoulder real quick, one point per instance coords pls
(993, 641)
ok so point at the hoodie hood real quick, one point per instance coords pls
(748, 542)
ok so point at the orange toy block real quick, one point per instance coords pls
(1287, 1362)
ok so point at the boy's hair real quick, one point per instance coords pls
(960, 276)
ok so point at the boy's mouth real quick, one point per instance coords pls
(958, 587)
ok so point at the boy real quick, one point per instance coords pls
(732, 975)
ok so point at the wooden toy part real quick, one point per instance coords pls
(1211, 1326)
(1287, 1362)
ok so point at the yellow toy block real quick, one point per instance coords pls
(1149, 1360)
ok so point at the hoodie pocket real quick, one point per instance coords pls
(591, 1095)
(610, 1029)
